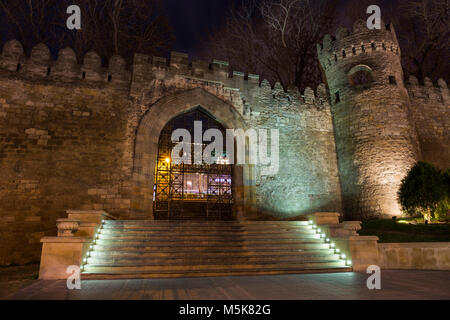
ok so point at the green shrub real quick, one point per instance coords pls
(424, 190)
(443, 210)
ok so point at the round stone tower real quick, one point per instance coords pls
(375, 141)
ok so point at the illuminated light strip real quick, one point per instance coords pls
(91, 246)
(332, 245)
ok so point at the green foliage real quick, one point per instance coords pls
(423, 189)
(442, 212)
(405, 230)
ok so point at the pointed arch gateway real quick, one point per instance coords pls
(146, 149)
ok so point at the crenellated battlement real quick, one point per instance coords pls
(428, 92)
(145, 69)
(361, 40)
(39, 65)
(179, 64)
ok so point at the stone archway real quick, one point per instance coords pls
(146, 146)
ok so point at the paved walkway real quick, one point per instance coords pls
(395, 284)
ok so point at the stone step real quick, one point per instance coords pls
(205, 273)
(170, 223)
(205, 237)
(204, 224)
(114, 268)
(207, 254)
(193, 248)
(199, 260)
(176, 247)
(210, 243)
(203, 230)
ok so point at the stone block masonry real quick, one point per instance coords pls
(84, 136)
(378, 126)
(68, 137)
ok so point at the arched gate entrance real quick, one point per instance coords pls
(191, 191)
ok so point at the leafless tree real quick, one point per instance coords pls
(108, 27)
(423, 28)
(274, 38)
(26, 20)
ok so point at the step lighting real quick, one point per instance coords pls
(328, 240)
(91, 247)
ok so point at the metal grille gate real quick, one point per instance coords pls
(172, 199)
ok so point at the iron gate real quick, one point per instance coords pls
(186, 190)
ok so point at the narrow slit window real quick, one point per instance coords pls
(18, 67)
(392, 80)
(83, 75)
(337, 97)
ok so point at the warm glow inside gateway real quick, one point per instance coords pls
(196, 185)
(186, 190)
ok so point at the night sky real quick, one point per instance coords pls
(193, 19)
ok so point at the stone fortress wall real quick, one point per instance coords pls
(68, 136)
(69, 131)
(430, 114)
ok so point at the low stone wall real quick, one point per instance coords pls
(417, 255)
(364, 251)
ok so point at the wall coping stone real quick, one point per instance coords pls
(65, 239)
(415, 244)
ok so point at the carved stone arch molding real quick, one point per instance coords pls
(146, 146)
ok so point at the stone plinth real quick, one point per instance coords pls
(87, 229)
(93, 216)
(325, 218)
(344, 229)
(58, 253)
(361, 250)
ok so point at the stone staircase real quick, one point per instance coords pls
(158, 249)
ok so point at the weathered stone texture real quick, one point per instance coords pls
(376, 143)
(57, 143)
(84, 136)
(430, 108)
(69, 138)
(308, 176)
